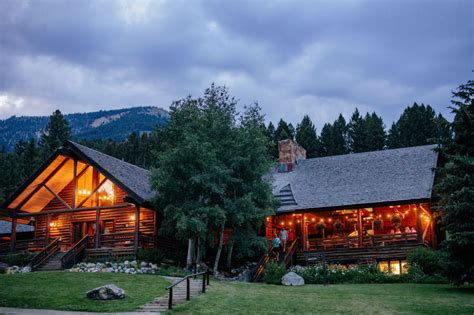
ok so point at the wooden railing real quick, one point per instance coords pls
(289, 254)
(33, 245)
(117, 239)
(44, 255)
(147, 241)
(205, 281)
(4, 247)
(367, 241)
(261, 265)
(75, 253)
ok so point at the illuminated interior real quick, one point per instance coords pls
(340, 228)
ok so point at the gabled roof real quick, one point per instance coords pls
(360, 179)
(130, 178)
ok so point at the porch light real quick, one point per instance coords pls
(313, 219)
(329, 220)
(52, 224)
(298, 221)
(290, 223)
(132, 218)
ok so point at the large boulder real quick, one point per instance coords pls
(106, 292)
(292, 279)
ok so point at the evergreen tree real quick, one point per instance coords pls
(283, 131)
(273, 143)
(56, 133)
(457, 187)
(418, 125)
(357, 133)
(306, 136)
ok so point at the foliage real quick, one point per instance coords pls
(20, 259)
(171, 271)
(306, 137)
(284, 131)
(56, 133)
(366, 133)
(430, 262)
(153, 255)
(418, 125)
(457, 187)
(66, 290)
(334, 138)
(273, 273)
(211, 168)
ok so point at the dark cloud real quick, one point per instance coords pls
(315, 57)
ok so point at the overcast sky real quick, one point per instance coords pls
(293, 57)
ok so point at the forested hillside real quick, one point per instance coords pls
(105, 124)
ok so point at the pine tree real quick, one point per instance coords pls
(306, 137)
(418, 125)
(273, 143)
(376, 136)
(457, 187)
(283, 131)
(357, 133)
(56, 133)
(326, 139)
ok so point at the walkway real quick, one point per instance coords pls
(23, 311)
(179, 295)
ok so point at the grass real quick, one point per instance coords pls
(66, 290)
(248, 298)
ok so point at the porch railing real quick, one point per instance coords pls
(261, 265)
(289, 254)
(367, 241)
(4, 247)
(44, 255)
(75, 253)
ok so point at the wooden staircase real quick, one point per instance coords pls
(52, 263)
(286, 259)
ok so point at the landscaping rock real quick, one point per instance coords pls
(292, 279)
(106, 292)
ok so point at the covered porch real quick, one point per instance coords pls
(370, 233)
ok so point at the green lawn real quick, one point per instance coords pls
(66, 290)
(248, 298)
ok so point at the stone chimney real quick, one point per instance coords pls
(289, 153)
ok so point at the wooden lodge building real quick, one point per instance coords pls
(82, 202)
(363, 207)
(373, 206)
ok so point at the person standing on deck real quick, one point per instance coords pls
(276, 246)
(283, 237)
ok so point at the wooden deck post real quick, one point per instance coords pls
(418, 224)
(137, 229)
(13, 235)
(97, 228)
(74, 184)
(48, 222)
(359, 228)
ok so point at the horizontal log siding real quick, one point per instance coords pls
(121, 218)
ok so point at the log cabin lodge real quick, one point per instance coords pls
(355, 208)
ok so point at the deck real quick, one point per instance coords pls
(356, 255)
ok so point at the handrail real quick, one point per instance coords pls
(74, 252)
(43, 255)
(205, 281)
(261, 265)
(289, 254)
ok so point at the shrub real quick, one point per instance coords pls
(150, 255)
(3, 270)
(105, 259)
(171, 271)
(431, 262)
(273, 273)
(18, 259)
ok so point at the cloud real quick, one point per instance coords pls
(305, 57)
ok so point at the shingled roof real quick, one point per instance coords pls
(131, 178)
(360, 179)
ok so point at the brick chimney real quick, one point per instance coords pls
(289, 153)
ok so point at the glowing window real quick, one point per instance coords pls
(106, 194)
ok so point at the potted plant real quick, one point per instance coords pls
(396, 220)
(320, 226)
(378, 224)
(338, 225)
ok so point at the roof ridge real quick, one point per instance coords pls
(78, 146)
(369, 152)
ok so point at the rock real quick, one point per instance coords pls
(106, 292)
(292, 279)
(143, 264)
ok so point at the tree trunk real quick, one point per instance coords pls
(219, 249)
(189, 259)
(199, 251)
(230, 247)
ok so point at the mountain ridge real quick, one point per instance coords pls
(116, 124)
